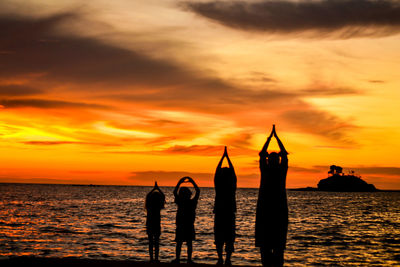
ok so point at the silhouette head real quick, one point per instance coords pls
(155, 201)
(225, 171)
(184, 193)
(273, 159)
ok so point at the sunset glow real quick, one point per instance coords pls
(129, 92)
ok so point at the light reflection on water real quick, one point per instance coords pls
(108, 222)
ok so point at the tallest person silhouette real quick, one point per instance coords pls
(272, 210)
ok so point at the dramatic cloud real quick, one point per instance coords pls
(43, 49)
(376, 81)
(320, 123)
(392, 171)
(46, 104)
(172, 177)
(18, 90)
(134, 77)
(61, 58)
(238, 139)
(329, 91)
(194, 150)
(334, 18)
(169, 177)
(52, 143)
(315, 169)
(92, 63)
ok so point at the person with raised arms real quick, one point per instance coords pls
(185, 217)
(154, 203)
(272, 209)
(225, 209)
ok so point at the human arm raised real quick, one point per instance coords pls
(228, 159)
(196, 188)
(154, 188)
(222, 159)
(281, 147)
(263, 152)
(232, 169)
(283, 153)
(178, 185)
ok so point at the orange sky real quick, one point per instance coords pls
(129, 92)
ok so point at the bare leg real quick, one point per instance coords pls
(278, 257)
(189, 251)
(178, 251)
(156, 248)
(266, 256)
(219, 252)
(228, 250)
(150, 247)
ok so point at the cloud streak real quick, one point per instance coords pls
(193, 150)
(172, 177)
(55, 143)
(47, 104)
(320, 123)
(18, 90)
(325, 18)
(392, 171)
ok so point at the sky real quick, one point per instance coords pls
(130, 92)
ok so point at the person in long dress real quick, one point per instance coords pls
(225, 209)
(272, 209)
(155, 201)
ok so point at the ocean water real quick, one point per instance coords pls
(108, 222)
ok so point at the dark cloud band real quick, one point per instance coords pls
(334, 18)
(18, 90)
(46, 104)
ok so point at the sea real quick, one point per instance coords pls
(108, 222)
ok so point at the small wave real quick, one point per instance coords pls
(52, 229)
(117, 234)
(13, 224)
(106, 225)
(391, 241)
(111, 225)
(45, 252)
(205, 233)
(300, 237)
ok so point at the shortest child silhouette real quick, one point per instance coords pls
(185, 217)
(155, 201)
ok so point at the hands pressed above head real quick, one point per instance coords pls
(264, 153)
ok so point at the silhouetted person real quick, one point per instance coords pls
(185, 217)
(155, 201)
(272, 210)
(224, 209)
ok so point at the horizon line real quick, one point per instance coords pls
(121, 185)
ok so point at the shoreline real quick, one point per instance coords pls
(80, 262)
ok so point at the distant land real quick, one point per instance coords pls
(340, 182)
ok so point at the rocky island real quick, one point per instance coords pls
(339, 182)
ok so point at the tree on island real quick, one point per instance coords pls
(335, 170)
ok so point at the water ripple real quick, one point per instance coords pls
(337, 229)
